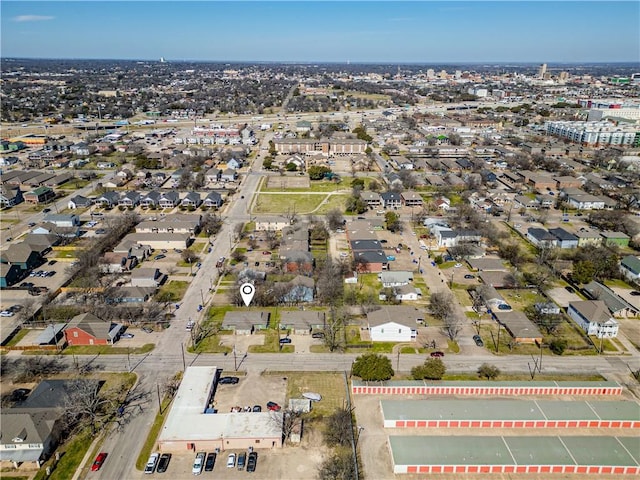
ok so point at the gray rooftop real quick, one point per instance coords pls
(529, 450)
(508, 409)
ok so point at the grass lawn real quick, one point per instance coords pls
(270, 343)
(74, 451)
(517, 377)
(175, 288)
(106, 350)
(328, 384)
(210, 344)
(333, 202)
(617, 283)
(17, 337)
(150, 442)
(65, 254)
(316, 186)
(519, 299)
(281, 203)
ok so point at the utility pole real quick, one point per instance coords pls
(184, 364)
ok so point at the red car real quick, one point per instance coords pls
(437, 354)
(97, 463)
(273, 406)
(266, 253)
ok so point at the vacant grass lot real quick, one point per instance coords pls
(316, 186)
(328, 384)
(270, 343)
(174, 290)
(281, 203)
(333, 202)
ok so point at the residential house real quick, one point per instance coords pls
(403, 293)
(630, 268)
(79, 202)
(498, 278)
(545, 201)
(523, 201)
(151, 199)
(87, 329)
(156, 241)
(492, 300)
(395, 278)
(521, 329)
(234, 164)
(564, 239)
(618, 306)
(229, 175)
(371, 261)
(107, 199)
(451, 238)
(116, 262)
(10, 196)
(372, 199)
(394, 323)
(585, 202)
(129, 199)
(567, 181)
(10, 274)
(147, 277)
(213, 199)
(615, 238)
(302, 322)
(588, 237)
(245, 322)
(63, 220)
(411, 199)
(213, 175)
(191, 200)
(297, 261)
(300, 290)
(21, 255)
(39, 195)
(81, 149)
(131, 295)
(169, 199)
(541, 238)
(594, 318)
(442, 203)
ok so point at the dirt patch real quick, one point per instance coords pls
(284, 182)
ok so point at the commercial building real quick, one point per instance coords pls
(595, 133)
(193, 424)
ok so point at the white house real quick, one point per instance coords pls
(395, 278)
(594, 318)
(630, 268)
(394, 324)
(585, 202)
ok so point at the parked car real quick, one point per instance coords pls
(635, 293)
(228, 380)
(317, 335)
(273, 406)
(252, 462)
(150, 467)
(257, 408)
(46, 210)
(163, 463)
(569, 289)
(469, 276)
(147, 330)
(478, 340)
(266, 252)
(437, 354)
(198, 463)
(159, 257)
(6, 313)
(285, 340)
(242, 460)
(19, 394)
(457, 265)
(97, 463)
(231, 460)
(210, 462)
(127, 335)
(101, 231)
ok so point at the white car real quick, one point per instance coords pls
(6, 313)
(458, 265)
(150, 467)
(198, 463)
(231, 460)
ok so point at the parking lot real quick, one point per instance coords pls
(299, 461)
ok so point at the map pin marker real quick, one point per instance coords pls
(247, 291)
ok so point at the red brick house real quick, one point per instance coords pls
(87, 329)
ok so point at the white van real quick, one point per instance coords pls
(150, 467)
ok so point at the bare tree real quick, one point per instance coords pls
(452, 326)
(87, 404)
(335, 219)
(291, 420)
(334, 329)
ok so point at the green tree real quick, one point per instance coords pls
(558, 346)
(355, 205)
(267, 163)
(583, 271)
(490, 372)
(291, 167)
(318, 172)
(392, 221)
(362, 134)
(372, 367)
(357, 183)
(432, 369)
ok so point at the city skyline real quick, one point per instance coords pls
(331, 32)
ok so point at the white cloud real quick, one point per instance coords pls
(32, 18)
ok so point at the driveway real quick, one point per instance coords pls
(562, 297)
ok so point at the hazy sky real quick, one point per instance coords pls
(328, 31)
